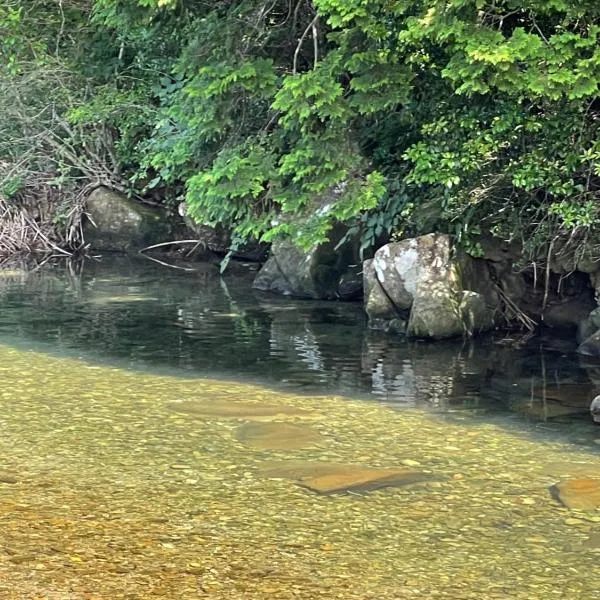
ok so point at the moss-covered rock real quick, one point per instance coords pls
(324, 272)
(439, 291)
(117, 223)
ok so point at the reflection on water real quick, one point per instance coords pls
(122, 485)
(140, 315)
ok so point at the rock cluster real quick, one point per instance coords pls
(424, 287)
(427, 288)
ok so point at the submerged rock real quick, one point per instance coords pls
(581, 494)
(278, 436)
(364, 480)
(234, 410)
(558, 400)
(595, 409)
(331, 478)
(569, 313)
(8, 478)
(549, 409)
(591, 345)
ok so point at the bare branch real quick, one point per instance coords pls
(309, 27)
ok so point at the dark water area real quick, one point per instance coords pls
(141, 315)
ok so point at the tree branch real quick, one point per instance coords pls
(310, 26)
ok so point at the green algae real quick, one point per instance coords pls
(118, 496)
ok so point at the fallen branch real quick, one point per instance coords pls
(171, 243)
(525, 320)
(166, 264)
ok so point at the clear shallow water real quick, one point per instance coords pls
(141, 315)
(108, 491)
(141, 484)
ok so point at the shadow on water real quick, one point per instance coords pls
(140, 315)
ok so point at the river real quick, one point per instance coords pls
(173, 435)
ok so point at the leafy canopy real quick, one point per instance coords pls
(283, 117)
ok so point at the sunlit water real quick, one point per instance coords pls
(109, 491)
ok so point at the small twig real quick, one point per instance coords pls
(541, 33)
(315, 33)
(544, 389)
(200, 243)
(547, 279)
(62, 26)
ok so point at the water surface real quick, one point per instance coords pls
(128, 471)
(111, 493)
(144, 316)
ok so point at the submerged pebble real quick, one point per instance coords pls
(580, 494)
(8, 478)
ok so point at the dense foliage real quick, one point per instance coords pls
(281, 117)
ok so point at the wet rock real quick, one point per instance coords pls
(444, 314)
(594, 318)
(234, 410)
(591, 345)
(397, 326)
(378, 303)
(568, 313)
(595, 409)
(585, 329)
(498, 250)
(440, 292)
(278, 436)
(324, 272)
(350, 285)
(331, 478)
(581, 494)
(118, 223)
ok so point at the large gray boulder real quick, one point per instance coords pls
(438, 291)
(324, 272)
(117, 223)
